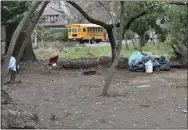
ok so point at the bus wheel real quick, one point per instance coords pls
(97, 41)
(93, 40)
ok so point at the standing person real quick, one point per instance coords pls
(12, 69)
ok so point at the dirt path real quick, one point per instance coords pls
(137, 100)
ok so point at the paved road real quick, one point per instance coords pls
(107, 43)
(99, 44)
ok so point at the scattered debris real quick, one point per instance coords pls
(144, 86)
(35, 117)
(89, 72)
(184, 111)
(144, 105)
(53, 117)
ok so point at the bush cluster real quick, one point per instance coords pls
(56, 34)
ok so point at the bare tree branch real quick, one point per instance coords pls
(114, 26)
(70, 12)
(58, 10)
(179, 3)
(90, 11)
(104, 7)
(87, 16)
(61, 11)
(90, 19)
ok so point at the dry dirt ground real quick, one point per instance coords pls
(136, 100)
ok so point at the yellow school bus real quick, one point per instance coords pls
(86, 33)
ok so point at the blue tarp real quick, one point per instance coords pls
(137, 62)
(164, 63)
(136, 56)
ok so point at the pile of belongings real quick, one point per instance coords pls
(136, 62)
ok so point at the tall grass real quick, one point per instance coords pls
(67, 50)
(46, 50)
(87, 52)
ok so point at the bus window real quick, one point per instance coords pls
(79, 29)
(101, 29)
(95, 29)
(74, 30)
(98, 29)
(91, 29)
(84, 30)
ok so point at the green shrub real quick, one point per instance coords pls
(55, 34)
(49, 37)
(161, 37)
(60, 37)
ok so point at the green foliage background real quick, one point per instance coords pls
(55, 34)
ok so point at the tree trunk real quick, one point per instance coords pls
(15, 37)
(181, 53)
(28, 54)
(142, 44)
(36, 39)
(119, 45)
(24, 40)
(134, 46)
(112, 42)
(127, 46)
(9, 32)
(83, 63)
(19, 42)
(3, 39)
(153, 41)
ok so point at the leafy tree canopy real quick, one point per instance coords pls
(177, 22)
(13, 11)
(149, 20)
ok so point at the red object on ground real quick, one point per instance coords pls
(52, 60)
